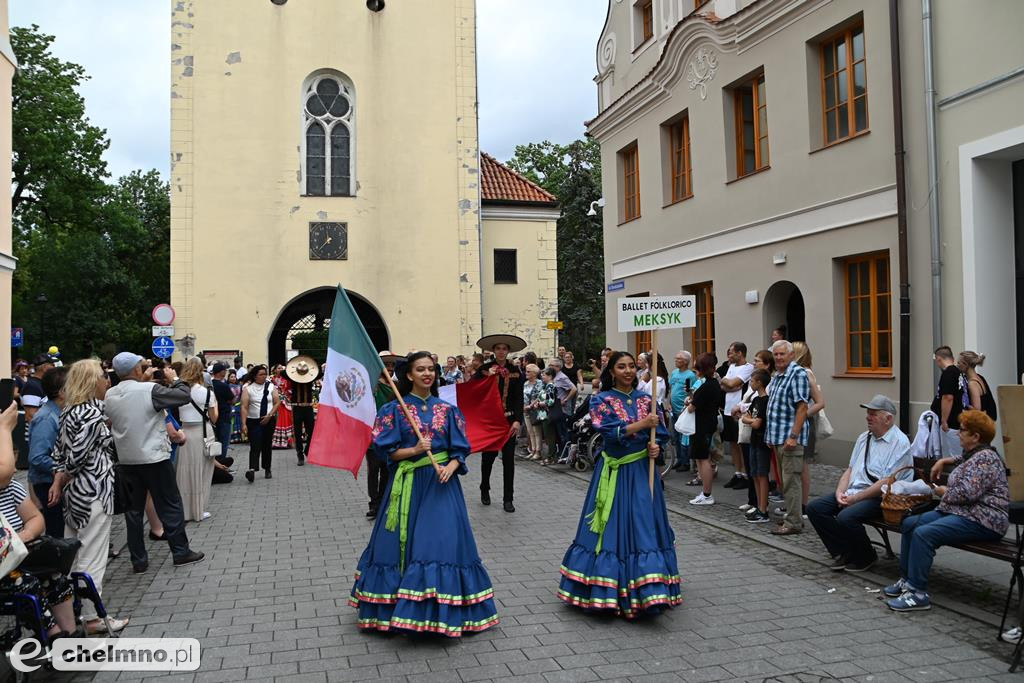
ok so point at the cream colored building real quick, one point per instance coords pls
(749, 147)
(8, 65)
(315, 142)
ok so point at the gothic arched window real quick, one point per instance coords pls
(329, 117)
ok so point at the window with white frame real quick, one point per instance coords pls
(329, 135)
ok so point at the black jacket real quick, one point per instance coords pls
(514, 396)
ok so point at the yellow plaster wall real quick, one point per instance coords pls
(6, 75)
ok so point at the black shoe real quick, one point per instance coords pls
(509, 507)
(250, 475)
(268, 475)
(371, 513)
(485, 497)
(191, 557)
(838, 564)
(685, 467)
(161, 537)
(732, 482)
(857, 567)
(302, 461)
(140, 568)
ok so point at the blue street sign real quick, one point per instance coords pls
(17, 337)
(163, 347)
(616, 286)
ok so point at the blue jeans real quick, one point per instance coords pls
(682, 451)
(842, 529)
(222, 430)
(922, 534)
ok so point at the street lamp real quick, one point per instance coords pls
(595, 203)
(41, 301)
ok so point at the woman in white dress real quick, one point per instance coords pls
(195, 468)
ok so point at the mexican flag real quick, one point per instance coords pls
(478, 399)
(347, 410)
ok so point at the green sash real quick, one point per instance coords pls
(401, 498)
(598, 518)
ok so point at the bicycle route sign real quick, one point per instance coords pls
(163, 347)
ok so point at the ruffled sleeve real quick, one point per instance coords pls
(458, 443)
(387, 436)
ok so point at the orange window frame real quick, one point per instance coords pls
(843, 70)
(647, 15)
(682, 171)
(877, 334)
(643, 341)
(759, 119)
(630, 183)
(703, 335)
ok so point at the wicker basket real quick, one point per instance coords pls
(896, 505)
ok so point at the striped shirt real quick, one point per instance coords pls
(83, 450)
(787, 390)
(11, 496)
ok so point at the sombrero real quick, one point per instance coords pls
(513, 342)
(388, 357)
(302, 369)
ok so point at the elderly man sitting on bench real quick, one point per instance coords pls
(839, 518)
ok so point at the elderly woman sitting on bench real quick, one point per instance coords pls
(974, 507)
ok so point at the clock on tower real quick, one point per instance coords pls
(328, 241)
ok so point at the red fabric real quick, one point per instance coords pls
(486, 426)
(339, 441)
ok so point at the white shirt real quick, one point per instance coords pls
(190, 415)
(887, 455)
(743, 373)
(256, 397)
(646, 388)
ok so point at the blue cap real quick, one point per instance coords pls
(125, 362)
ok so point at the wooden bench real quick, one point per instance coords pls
(1003, 549)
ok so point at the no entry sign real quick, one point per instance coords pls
(657, 313)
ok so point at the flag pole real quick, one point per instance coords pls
(653, 365)
(408, 418)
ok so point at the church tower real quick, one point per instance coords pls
(323, 141)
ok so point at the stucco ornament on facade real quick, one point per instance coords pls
(606, 55)
(702, 71)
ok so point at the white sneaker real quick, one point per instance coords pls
(745, 507)
(207, 515)
(1013, 635)
(701, 499)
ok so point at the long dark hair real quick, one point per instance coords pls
(607, 380)
(662, 370)
(404, 383)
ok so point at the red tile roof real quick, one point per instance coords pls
(501, 184)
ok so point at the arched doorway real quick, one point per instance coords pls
(303, 324)
(784, 305)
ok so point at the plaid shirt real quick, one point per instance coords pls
(788, 390)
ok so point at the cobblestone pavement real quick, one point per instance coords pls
(269, 603)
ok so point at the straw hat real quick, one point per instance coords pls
(388, 357)
(302, 369)
(513, 342)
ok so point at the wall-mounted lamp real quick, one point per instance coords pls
(593, 211)
(375, 5)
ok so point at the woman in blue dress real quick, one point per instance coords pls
(421, 571)
(623, 559)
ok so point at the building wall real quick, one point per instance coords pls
(7, 262)
(815, 204)
(523, 308)
(239, 217)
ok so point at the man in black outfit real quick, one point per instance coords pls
(510, 387)
(302, 371)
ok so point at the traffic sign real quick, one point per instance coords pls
(163, 314)
(556, 325)
(17, 337)
(163, 347)
(163, 331)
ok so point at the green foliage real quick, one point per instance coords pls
(99, 252)
(573, 174)
(312, 344)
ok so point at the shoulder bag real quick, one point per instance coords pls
(12, 549)
(211, 447)
(823, 426)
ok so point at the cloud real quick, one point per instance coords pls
(535, 57)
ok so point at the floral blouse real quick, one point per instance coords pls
(977, 490)
(612, 411)
(83, 450)
(438, 421)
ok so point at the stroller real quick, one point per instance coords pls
(579, 451)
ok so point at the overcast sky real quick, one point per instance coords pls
(536, 65)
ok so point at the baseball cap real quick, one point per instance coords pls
(219, 366)
(43, 359)
(125, 362)
(880, 402)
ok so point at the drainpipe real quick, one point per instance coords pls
(933, 177)
(901, 214)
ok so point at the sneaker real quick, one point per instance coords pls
(752, 512)
(701, 499)
(779, 511)
(191, 557)
(775, 497)
(732, 482)
(206, 515)
(896, 589)
(746, 507)
(910, 601)
(758, 517)
(838, 564)
(857, 567)
(1012, 636)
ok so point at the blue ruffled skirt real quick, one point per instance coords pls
(636, 571)
(444, 588)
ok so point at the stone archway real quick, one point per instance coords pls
(303, 323)
(784, 305)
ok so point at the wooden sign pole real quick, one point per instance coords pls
(653, 365)
(415, 423)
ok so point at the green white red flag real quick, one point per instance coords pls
(347, 409)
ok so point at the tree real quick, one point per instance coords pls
(99, 252)
(573, 174)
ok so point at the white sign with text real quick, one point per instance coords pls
(657, 313)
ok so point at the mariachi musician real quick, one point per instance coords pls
(510, 387)
(302, 371)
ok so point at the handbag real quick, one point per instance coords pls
(896, 506)
(823, 427)
(211, 447)
(687, 423)
(12, 549)
(743, 434)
